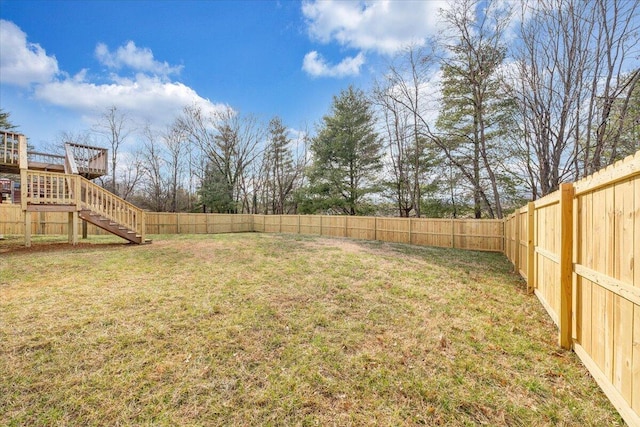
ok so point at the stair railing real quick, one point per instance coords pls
(108, 205)
(70, 161)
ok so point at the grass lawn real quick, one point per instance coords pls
(260, 329)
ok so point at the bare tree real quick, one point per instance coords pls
(176, 146)
(474, 109)
(227, 144)
(153, 166)
(470, 111)
(130, 176)
(397, 137)
(279, 171)
(615, 37)
(403, 102)
(115, 127)
(572, 68)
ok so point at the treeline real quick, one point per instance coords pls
(507, 102)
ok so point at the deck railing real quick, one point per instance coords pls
(9, 146)
(45, 158)
(88, 160)
(48, 188)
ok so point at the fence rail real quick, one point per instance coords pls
(197, 223)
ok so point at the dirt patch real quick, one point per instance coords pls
(17, 246)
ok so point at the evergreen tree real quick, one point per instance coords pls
(216, 193)
(475, 112)
(346, 157)
(5, 123)
(279, 170)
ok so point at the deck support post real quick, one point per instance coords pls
(73, 227)
(27, 229)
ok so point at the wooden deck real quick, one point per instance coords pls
(61, 183)
(89, 162)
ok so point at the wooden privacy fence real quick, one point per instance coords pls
(56, 223)
(43, 223)
(197, 223)
(481, 235)
(577, 248)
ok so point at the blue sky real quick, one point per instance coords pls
(63, 63)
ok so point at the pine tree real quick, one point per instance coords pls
(216, 193)
(280, 171)
(5, 123)
(346, 157)
(475, 112)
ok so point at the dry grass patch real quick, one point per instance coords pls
(258, 329)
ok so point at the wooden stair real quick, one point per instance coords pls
(111, 226)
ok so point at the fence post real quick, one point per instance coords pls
(453, 235)
(516, 234)
(24, 188)
(531, 249)
(566, 266)
(574, 260)
(410, 239)
(375, 228)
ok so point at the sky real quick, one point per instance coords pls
(64, 63)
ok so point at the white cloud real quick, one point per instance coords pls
(148, 96)
(144, 98)
(136, 58)
(315, 65)
(23, 63)
(383, 26)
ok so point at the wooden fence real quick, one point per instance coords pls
(197, 223)
(481, 235)
(56, 223)
(43, 223)
(577, 249)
